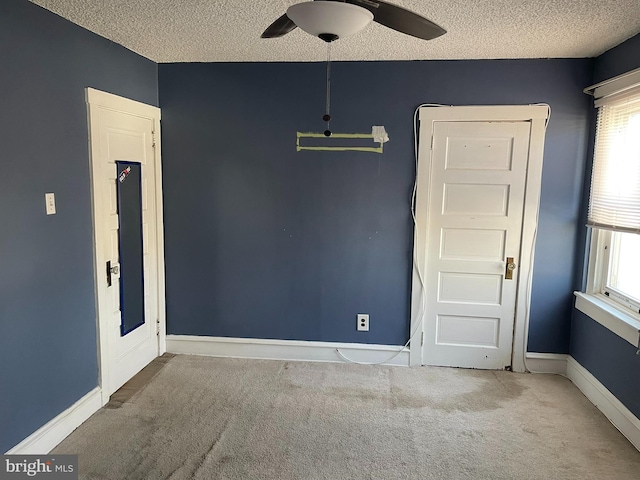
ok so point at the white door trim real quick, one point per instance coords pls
(537, 115)
(96, 98)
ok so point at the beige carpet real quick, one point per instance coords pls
(212, 418)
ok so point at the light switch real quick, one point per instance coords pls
(50, 201)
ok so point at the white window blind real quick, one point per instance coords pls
(615, 185)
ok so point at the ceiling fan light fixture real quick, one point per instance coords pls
(329, 20)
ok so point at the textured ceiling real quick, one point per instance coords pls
(229, 30)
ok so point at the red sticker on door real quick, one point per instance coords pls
(124, 174)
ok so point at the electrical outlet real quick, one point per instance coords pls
(363, 322)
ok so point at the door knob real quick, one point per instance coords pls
(511, 266)
(112, 271)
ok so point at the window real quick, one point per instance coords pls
(614, 204)
(619, 255)
(615, 185)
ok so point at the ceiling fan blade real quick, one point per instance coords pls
(280, 27)
(401, 19)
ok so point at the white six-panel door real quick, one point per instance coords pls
(475, 230)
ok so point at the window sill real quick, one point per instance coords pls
(606, 313)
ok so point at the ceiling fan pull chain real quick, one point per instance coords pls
(327, 116)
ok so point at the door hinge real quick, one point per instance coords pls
(422, 340)
(153, 138)
(432, 137)
(158, 327)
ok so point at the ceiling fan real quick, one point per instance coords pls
(333, 19)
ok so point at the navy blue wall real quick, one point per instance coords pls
(620, 59)
(612, 360)
(262, 241)
(609, 358)
(48, 356)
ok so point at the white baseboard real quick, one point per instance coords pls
(43, 440)
(290, 350)
(547, 363)
(605, 401)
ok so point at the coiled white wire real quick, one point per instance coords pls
(416, 266)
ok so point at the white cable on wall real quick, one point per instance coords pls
(416, 266)
(420, 316)
(531, 257)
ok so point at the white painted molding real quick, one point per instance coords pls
(43, 440)
(615, 85)
(547, 363)
(538, 115)
(290, 350)
(619, 415)
(120, 104)
(610, 316)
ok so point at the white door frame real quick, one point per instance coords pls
(537, 115)
(96, 100)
